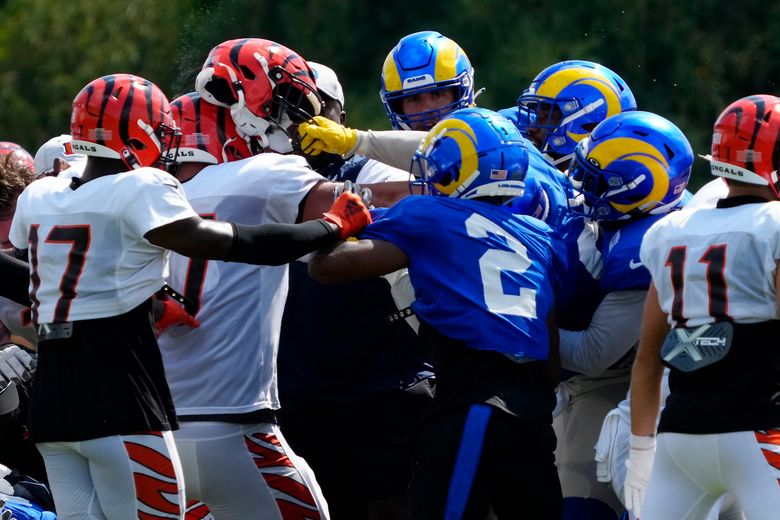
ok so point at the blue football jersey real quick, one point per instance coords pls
(555, 185)
(521, 118)
(619, 246)
(481, 274)
(581, 293)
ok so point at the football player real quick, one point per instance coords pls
(222, 374)
(18, 154)
(56, 156)
(484, 280)
(367, 382)
(713, 303)
(218, 412)
(424, 77)
(630, 172)
(564, 103)
(101, 411)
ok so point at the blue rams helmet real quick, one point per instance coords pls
(633, 164)
(473, 152)
(568, 100)
(425, 62)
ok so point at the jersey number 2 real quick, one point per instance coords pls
(495, 261)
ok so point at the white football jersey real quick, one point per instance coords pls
(87, 252)
(716, 263)
(228, 364)
(708, 195)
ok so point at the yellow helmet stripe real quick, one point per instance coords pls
(446, 60)
(390, 74)
(615, 149)
(460, 132)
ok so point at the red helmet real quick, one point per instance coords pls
(121, 116)
(261, 82)
(746, 142)
(21, 155)
(208, 134)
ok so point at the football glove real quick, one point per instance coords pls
(353, 187)
(639, 465)
(174, 314)
(323, 135)
(17, 364)
(349, 213)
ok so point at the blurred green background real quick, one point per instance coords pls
(683, 60)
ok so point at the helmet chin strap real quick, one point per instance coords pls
(555, 161)
(248, 124)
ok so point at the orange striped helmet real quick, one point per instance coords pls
(262, 82)
(208, 134)
(121, 116)
(746, 142)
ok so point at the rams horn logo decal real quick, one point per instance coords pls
(562, 80)
(464, 137)
(645, 154)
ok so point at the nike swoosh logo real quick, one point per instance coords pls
(634, 265)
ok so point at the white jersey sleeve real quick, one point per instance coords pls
(718, 263)
(87, 253)
(158, 200)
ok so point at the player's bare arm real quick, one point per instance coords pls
(320, 197)
(350, 261)
(648, 370)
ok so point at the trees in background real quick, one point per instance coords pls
(683, 62)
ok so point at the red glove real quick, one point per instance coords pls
(174, 314)
(349, 213)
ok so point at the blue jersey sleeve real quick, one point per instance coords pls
(521, 117)
(395, 224)
(553, 182)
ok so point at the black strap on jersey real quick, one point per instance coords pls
(399, 315)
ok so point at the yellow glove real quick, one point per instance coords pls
(324, 135)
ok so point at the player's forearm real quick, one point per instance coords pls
(265, 244)
(393, 147)
(645, 397)
(612, 333)
(648, 370)
(15, 275)
(278, 244)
